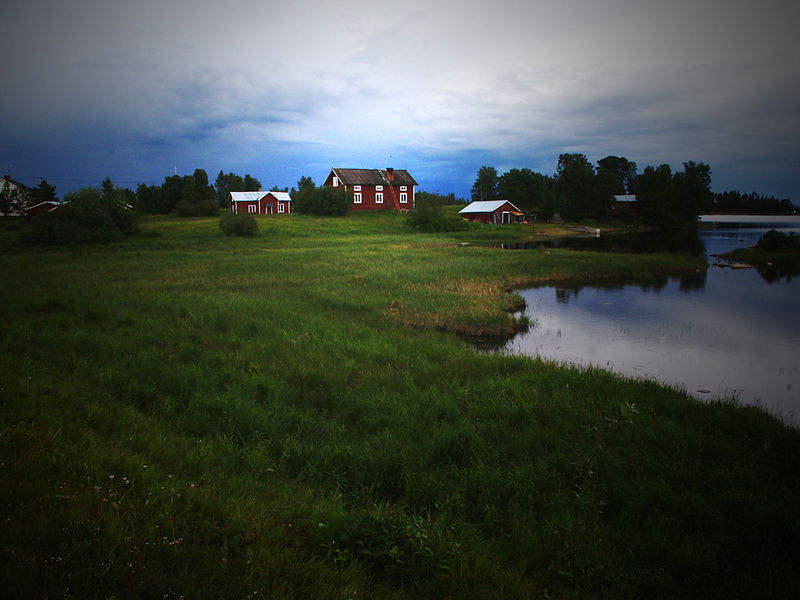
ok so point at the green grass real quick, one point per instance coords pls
(293, 415)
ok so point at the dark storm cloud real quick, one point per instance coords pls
(140, 88)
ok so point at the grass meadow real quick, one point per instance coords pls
(298, 415)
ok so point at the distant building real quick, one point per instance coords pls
(625, 205)
(375, 189)
(42, 207)
(261, 203)
(12, 187)
(499, 212)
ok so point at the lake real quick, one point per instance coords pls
(720, 334)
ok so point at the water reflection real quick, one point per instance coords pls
(721, 333)
(694, 280)
(713, 340)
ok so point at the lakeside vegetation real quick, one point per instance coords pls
(775, 256)
(291, 415)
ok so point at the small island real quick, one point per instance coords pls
(775, 256)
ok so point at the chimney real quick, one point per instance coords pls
(390, 173)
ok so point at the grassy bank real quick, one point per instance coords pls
(292, 415)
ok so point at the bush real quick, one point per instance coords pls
(322, 201)
(84, 217)
(775, 241)
(431, 218)
(238, 224)
(206, 208)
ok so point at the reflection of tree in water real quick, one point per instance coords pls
(694, 281)
(688, 282)
(776, 272)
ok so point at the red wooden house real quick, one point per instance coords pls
(499, 212)
(261, 203)
(375, 189)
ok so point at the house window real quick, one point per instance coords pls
(378, 188)
(379, 198)
(403, 188)
(280, 207)
(335, 181)
(251, 208)
(403, 198)
(357, 198)
(356, 188)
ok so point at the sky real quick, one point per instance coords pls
(138, 91)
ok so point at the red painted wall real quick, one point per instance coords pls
(261, 208)
(37, 210)
(391, 196)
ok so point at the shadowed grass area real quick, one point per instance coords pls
(190, 414)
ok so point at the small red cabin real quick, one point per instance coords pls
(41, 207)
(374, 189)
(499, 212)
(261, 203)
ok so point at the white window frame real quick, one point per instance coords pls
(280, 207)
(378, 188)
(403, 188)
(356, 188)
(403, 198)
(357, 198)
(252, 209)
(335, 181)
(379, 198)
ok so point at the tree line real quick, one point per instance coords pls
(738, 203)
(193, 195)
(578, 190)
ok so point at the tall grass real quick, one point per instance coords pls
(190, 414)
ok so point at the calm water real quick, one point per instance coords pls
(724, 333)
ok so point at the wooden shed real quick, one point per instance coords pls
(499, 212)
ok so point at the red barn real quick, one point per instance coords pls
(261, 203)
(499, 212)
(374, 189)
(41, 207)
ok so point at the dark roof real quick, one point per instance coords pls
(373, 177)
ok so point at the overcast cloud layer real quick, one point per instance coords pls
(139, 90)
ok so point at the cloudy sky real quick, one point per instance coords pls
(140, 90)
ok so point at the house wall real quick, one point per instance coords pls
(270, 200)
(268, 205)
(244, 207)
(479, 217)
(40, 208)
(391, 196)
